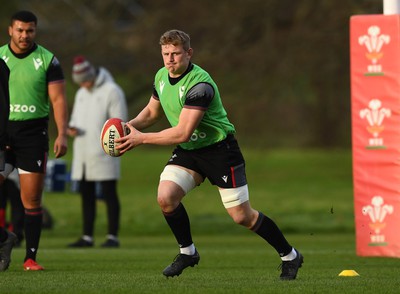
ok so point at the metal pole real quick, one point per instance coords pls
(391, 7)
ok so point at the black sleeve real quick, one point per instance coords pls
(4, 101)
(200, 96)
(155, 94)
(55, 72)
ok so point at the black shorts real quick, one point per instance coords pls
(29, 144)
(222, 163)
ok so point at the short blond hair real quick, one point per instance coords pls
(175, 37)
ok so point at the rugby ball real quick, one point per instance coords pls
(113, 128)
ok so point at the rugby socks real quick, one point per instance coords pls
(269, 231)
(190, 250)
(292, 255)
(178, 221)
(33, 229)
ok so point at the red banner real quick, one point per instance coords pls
(375, 111)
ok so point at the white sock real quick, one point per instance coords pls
(190, 250)
(112, 237)
(87, 238)
(292, 255)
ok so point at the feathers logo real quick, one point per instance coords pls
(377, 212)
(375, 115)
(374, 42)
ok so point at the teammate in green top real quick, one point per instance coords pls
(36, 80)
(207, 148)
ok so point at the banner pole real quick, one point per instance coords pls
(391, 7)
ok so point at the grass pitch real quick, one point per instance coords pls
(229, 264)
(308, 194)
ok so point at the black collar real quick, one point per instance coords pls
(23, 55)
(174, 81)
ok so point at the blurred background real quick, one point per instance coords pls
(282, 66)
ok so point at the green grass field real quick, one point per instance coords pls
(308, 193)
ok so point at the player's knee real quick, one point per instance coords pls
(241, 219)
(169, 196)
(163, 202)
(31, 203)
(243, 216)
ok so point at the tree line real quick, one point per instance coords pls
(282, 66)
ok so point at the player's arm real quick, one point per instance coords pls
(58, 100)
(148, 116)
(4, 110)
(4, 102)
(188, 121)
(197, 102)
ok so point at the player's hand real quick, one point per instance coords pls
(131, 140)
(74, 132)
(60, 146)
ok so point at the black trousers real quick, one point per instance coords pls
(89, 195)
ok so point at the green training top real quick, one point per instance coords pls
(214, 126)
(28, 83)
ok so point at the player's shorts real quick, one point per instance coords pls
(29, 145)
(222, 163)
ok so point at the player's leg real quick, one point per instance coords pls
(175, 183)
(7, 239)
(2, 159)
(32, 184)
(7, 242)
(236, 202)
(17, 210)
(109, 190)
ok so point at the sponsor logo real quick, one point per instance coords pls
(37, 62)
(22, 108)
(225, 178)
(374, 42)
(377, 213)
(110, 143)
(162, 84)
(181, 91)
(374, 115)
(173, 157)
(196, 136)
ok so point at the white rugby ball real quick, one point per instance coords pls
(113, 128)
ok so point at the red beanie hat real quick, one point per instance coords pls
(82, 70)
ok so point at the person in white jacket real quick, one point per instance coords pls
(98, 99)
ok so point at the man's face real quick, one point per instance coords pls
(22, 36)
(176, 59)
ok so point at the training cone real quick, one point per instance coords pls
(348, 273)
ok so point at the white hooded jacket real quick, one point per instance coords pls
(92, 107)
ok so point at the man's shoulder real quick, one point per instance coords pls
(42, 50)
(3, 48)
(199, 71)
(161, 71)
